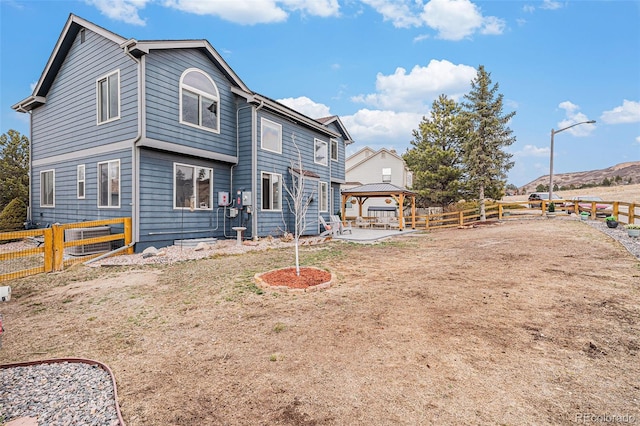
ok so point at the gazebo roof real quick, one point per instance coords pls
(377, 190)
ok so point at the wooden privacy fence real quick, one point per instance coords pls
(24, 253)
(626, 213)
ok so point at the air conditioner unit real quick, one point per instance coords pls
(76, 234)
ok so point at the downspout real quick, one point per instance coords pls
(254, 170)
(135, 155)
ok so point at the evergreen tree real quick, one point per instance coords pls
(436, 157)
(14, 168)
(485, 159)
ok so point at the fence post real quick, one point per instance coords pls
(616, 208)
(128, 234)
(632, 213)
(426, 220)
(58, 247)
(461, 218)
(499, 211)
(48, 250)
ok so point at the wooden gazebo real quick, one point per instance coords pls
(376, 190)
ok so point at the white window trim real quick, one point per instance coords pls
(386, 174)
(191, 89)
(278, 127)
(53, 178)
(83, 180)
(262, 192)
(175, 165)
(106, 76)
(109, 176)
(326, 162)
(326, 197)
(334, 142)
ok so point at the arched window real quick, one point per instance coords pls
(199, 100)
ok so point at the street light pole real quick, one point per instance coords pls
(553, 132)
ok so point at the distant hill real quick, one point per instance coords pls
(620, 174)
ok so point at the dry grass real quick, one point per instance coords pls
(529, 322)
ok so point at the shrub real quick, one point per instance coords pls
(13, 216)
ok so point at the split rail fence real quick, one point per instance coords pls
(626, 213)
(43, 250)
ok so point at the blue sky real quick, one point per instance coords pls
(379, 64)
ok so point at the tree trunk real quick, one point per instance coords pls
(483, 214)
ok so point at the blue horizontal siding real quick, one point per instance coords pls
(67, 121)
(68, 208)
(163, 71)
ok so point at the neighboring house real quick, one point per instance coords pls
(166, 133)
(368, 166)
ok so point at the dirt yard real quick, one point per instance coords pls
(528, 322)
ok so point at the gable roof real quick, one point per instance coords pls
(377, 190)
(139, 48)
(335, 119)
(374, 154)
(136, 48)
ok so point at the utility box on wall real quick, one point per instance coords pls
(224, 199)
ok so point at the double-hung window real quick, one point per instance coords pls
(334, 150)
(271, 191)
(323, 195)
(270, 136)
(108, 88)
(199, 101)
(109, 184)
(321, 153)
(80, 181)
(48, 188)
(192, 187)
(386, 174)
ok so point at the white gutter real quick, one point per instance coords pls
(254, 169)
(135, 154)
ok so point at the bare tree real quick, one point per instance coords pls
(298, 201)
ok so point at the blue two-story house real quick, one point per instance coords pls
(166, 133)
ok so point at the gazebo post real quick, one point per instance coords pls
(413, 212)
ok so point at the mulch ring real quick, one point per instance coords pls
(310, 279)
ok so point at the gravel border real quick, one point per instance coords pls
(619, 234)
(69, 391)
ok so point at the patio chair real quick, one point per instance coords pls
(342, 226)
(329, 228)
(361, 223)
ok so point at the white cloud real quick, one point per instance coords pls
(382, 128)
(306, 106)
(452, 19)
(121, 10)
(416, 90)
(249, 12)
(638, 140)
(458, 19)
(572, 111)
(398, 12)
(533, 151)
(551, 5)
(629, 112)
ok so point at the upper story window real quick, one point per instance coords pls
(386, 174)
(192, 187)
(334, 150)
(199, 101)
(409, 183)
(321, 153)
(108, 89)
(109, 184)
(270, 136)
(48, 188)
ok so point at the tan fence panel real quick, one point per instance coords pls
(24, 253)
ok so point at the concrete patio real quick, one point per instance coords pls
(371, 235)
